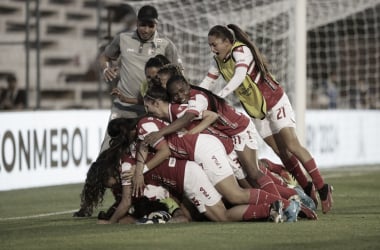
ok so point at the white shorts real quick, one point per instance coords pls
(198, 188)
(247, 137)
(210, 153)
(279, 117)
(236, 166)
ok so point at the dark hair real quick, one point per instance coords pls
(171, 69)
(158, 61)
(232, 32)
(156, 92)
(213, 99)
(100, 171)
(107, 164)
(147, 13)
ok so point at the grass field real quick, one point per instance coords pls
(42, 219)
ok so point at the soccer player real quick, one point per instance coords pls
(240, 63)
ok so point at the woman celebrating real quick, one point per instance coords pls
(240, 63)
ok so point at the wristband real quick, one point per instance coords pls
(146, 169)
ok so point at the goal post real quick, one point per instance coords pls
(302, 40)
(300, 68)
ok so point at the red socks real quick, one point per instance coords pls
(293, 166)
(314, 173)
(267, 184)
(256, 212)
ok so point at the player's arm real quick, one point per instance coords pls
(243, 58)
(142, 166)
(208, 118)
(116, 92)
(111, 52)
(212, 74)
(124, 204)
(175, 126)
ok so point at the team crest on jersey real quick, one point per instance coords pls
(151, 51)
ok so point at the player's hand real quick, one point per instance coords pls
(110, 73)
(151, 138)
(116, 92)
(138, 185)
(128, 175)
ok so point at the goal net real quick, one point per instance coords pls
(342, 39)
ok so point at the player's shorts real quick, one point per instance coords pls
(211, 155)
(198, 188)
(279, 117)
(247, 137)
(237, 169)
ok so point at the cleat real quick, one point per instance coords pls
(307, 213)
(305, 199)
(276, 213)
(82, 212)
(325, 193)
(292, 211)
(144, 221)
(312, 193)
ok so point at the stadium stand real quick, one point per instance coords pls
(69, 42)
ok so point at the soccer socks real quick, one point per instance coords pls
(316, 177)
(286, 192)
(275, 168)
(258, 196)
(267, 184)
(293, 166)
(256, 212)
(277, 181)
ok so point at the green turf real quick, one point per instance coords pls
(354, 223)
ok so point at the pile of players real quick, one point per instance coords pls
(191, 155)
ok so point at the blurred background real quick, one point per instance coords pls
(51, 46)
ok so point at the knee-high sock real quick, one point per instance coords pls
(267, 184)
(293, 166)
(277, 181)
(316, 177)
(259, 196)
(286, 192)
(256, 212)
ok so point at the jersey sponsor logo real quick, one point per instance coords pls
(216, 161)
(195, 201)
(204, 192)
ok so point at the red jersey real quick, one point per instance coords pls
(169, 174)
(230, 121)
(182, 146)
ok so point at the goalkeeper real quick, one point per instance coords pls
(243, 67)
